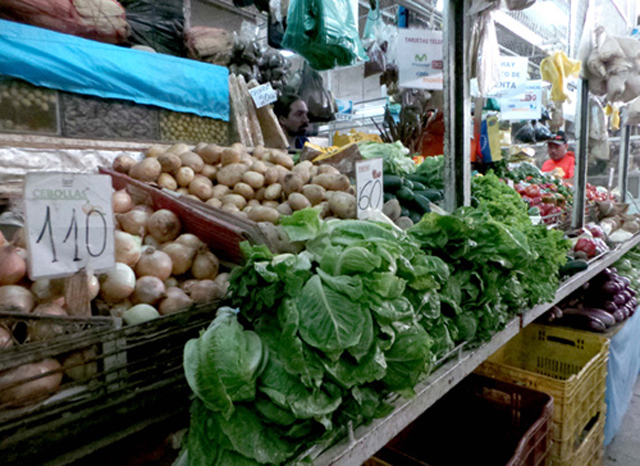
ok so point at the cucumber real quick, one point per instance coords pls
(404, 212)
(418, 177)
(422, 203)
(391, 182)
(415, 217)
(417, 186)
(434, 195)
(389, 197)
(407, 183)
(573, 267)
(404, 194)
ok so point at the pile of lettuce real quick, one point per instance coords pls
(396, 159)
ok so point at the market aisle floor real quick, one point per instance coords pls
(624, 449)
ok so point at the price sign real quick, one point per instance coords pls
(69, 223)
(263, 95)
(370, 192)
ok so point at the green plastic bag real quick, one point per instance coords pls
(324, 32)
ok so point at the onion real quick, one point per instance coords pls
(81, 365)
(12, 267)
(43, 329)
(171, 282)
(206, 291)
(140, 314)
(118, 309)
(6, 340)
(176, 301)
(93, 285)
(188, 285)
(149, 290)
(154, 263)
(189, 240)
(223, 282)
(164, 225)
(46, 290)
(121, 201)
(134, 222)
(144, 208)
(25, 384)
(16, 298)
(205, 265)
(181, 257)
(148, 170)
(123, 163)
(118, 283)
(128, 248)
(19, 238)
(150, 241)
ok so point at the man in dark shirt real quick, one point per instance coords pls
(291, 112)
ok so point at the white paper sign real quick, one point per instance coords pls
(523, 106)
(69, 223)
(369, 189)
(513, 77)
(420, 64)
(263, 95)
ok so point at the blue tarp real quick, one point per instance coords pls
(69, 63)
(622, 373)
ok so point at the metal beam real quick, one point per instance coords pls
(582, 150)
(623, 162)
(457, 106)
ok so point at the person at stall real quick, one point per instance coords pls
(292, 112)
(561, 160)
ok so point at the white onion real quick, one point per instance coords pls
(139, 314)
(189, 240)
(16, 298)
(205, 265)
(188, 284)
(12, 267)
(181, 257)
(206, 291)
(154, 262)
(149, 290)
(118, 283)
(118, 309)
(121, 201)
(176, 301)
(46, 290)
(93, 285)
(171, 282)
(144, 208)
(151, 241)
(43, 329)
(128, 248)
(134, 222)
(164, 225)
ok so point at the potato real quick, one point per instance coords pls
(392, 209)
(253, 179)
(327, 169)
(242, 214)
(282, 159)
(351, 191)
(273, 192)
(167, 181)
(238, 146)
(169, 162)
(298, 201)
(231, 175)
(123, 163)
(202, 187)
(215, 202)
(235, 199)
(210, 153)
(404, 223)
(253, 203)
(264, 214)
(231, 208)
(332, 182)
(303, 169)
(343, 205)
(323, 208)
(259, 167)
(260, 194)
(249, 208)
(271, 176)
(193, 196)
(183, 191)
(31, 391)
(179, 148)
(148, 170)
(184, 176)
(292, 183)
(199, 147)
(314, 192)
(247, 160)
(220, 190)
(230, 156)
(272, 204)
(155, 151)
(209, 171)
(260, 153)
(284, 209)
(282, 172)
(244, 190)
(313, 171)
(192, 160)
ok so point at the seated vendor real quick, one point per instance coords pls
(291, 112)
(561, 161)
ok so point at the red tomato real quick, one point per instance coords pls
(533, 190)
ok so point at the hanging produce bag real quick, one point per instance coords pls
(320, 104)
(324, 32)
(374, 43)
(158, 24)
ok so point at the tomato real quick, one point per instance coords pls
(533, 190)
(520, 188)
(534, 201)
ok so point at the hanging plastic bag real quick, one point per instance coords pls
(324, 32)
(319, 102)
(541, 132)
(526, 134)
(371, 42)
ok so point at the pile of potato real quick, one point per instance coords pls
(261, 186)
(176, 126)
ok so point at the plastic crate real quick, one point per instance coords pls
(591, 451)
(480, 421)
(569, 365)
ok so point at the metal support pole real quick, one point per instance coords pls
(623, 162)
(457, 106)
(582, 151)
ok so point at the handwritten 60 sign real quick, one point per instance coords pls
(69, 219)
